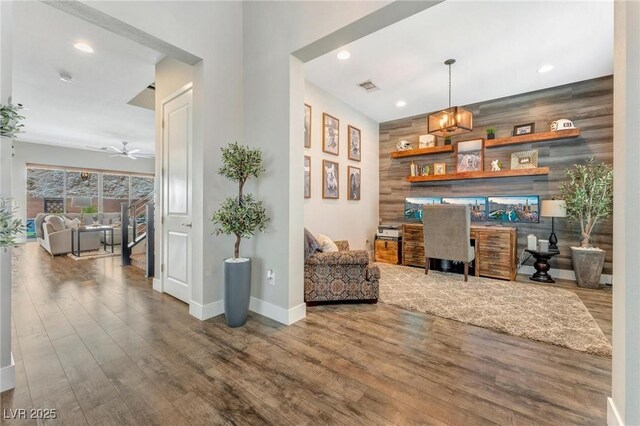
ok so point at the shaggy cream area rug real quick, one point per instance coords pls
(542, 313)
(95, 254)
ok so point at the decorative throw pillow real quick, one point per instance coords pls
(326, 244)
(56, 222)
(71, 223)
(311, 245)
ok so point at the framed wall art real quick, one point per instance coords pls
(354, 183)
(307, 126)
(330, 134)
(307, 176)
(524, 159)
(470, 156)
(330, 180)
(524, 129)
(440, 168)
(355, 143)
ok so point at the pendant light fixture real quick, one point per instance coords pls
(451, 121)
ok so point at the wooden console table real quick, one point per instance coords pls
(496, 249)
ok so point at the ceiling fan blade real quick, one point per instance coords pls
(131, 156)
(113, 148)
(133, 151)
(145, 155)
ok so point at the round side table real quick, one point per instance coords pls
(542, 265)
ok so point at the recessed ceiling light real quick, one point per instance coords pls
(83, 47)
(65, 77)
(545, 68)
(400, 104)
(343, 54)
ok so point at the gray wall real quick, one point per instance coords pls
(589, 104)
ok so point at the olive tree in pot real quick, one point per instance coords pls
(10, 228)
(588, 194)
(241, 216)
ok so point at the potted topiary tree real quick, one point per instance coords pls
(242, 217)
(10, 120)
(588, 194)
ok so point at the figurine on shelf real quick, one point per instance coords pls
(403, 145)
(496, 165)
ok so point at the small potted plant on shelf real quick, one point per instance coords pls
(588, 194)
(241, 216)
(10, 120)
(491, 133)
(447, 140)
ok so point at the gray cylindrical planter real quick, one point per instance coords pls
(237, 291)
(587, 264)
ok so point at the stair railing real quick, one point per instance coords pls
(140, 215)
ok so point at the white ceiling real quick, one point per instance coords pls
(91, 110)
(499, 47)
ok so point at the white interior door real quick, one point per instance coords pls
(176, 195)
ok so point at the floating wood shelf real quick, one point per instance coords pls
(538, 171)
(422, 151)
(532, 138)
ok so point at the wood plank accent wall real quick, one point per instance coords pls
(589, 104)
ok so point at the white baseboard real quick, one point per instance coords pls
(277, 313)
(157, 285)
(8, 376)
(564, 274)
(204, 312)
(613, 417)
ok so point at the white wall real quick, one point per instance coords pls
(51, 155)
(624, 404)
(249, 88)
(273, 93)
(7, 366)
(342, 219)
(213, 32)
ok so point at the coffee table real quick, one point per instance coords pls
(542, 265)
(76, 232)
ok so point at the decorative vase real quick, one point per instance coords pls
(491, 135)
(587, 265)
(237, 290)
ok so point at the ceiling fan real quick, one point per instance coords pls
(123, 152)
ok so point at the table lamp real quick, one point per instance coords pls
(553, 209)
(81, 202)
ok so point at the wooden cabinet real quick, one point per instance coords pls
(412, 245)
(388, 251)
(496, 249)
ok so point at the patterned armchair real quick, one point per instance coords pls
(345, 275)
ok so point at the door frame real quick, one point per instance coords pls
(158, 280)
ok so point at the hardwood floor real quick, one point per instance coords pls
(94, 341)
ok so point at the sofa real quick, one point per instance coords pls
(345, 275)
(55, 235)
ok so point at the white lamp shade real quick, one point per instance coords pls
(553, 208)
(81, 202)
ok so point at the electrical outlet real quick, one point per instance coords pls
(271, 277)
